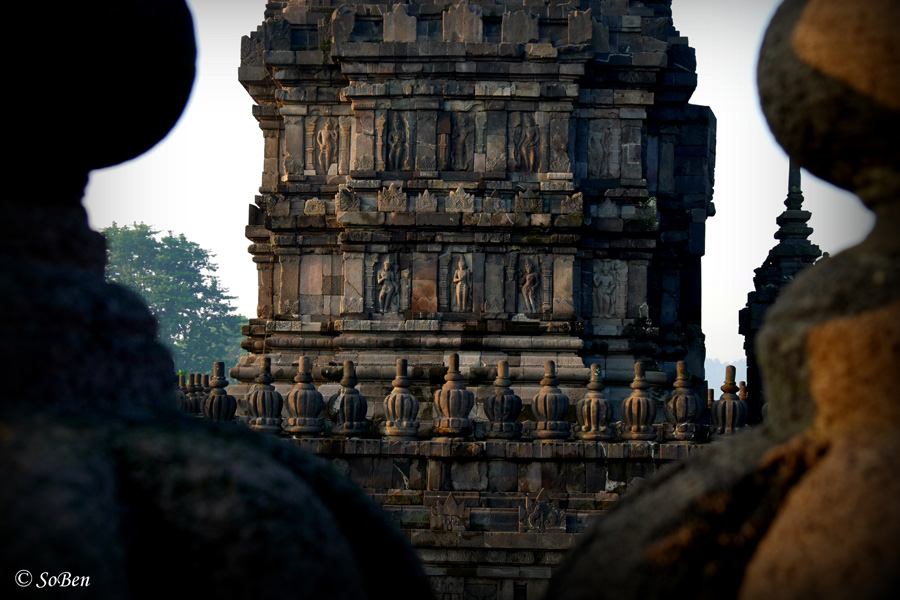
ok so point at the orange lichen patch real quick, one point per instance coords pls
(854, 43)
(835, 537)
(851, 360)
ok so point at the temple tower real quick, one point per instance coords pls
(793, 253)
(522, 183)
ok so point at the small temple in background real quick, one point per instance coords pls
(793, 253)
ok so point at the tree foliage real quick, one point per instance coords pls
(177, 279)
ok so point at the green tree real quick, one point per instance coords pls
(177, 279)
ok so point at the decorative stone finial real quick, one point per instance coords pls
(400, 407)
(453, 403)
(639, 409)
(265, 402)
(304, 403)
(192, 406)
(593, 411)
(200, 393)
(550, 406)
(180, 396)
(729, 413)
(504, 407)
(683, 407)
(219, 405)
(352, 406)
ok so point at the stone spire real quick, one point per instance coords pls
(793, 253)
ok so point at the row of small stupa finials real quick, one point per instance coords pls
(206, 396)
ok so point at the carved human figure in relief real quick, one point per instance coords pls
(388, 286)
(327, 141)
(461, 281)
(531, 137)
(460, 156)
(397, 144)
(605, 285)
(529, 288)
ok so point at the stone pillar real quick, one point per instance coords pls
(310, 145)
(344, 153)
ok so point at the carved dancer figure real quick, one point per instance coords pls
(461, 281)
(387, 282)
(396, 144)
(460, 144)
(531, 138)
(605, 285)
(327, 141)
(530, 287)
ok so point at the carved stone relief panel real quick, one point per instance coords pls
(425, 140)
(510, 283)
(610, 289)
(426, 202)
(346, 124)
(346, 201)
(310, 144)
(400, 139)
(380, 142)
(369, 265)
(386, 285)
(460, 201)
(353, 272)
(289, 284)
(529, 284)
(559, 145)
(494, 292)
(564, 285)
(462, 23)
(525, 142)
(541, 514)
(546, 282)
(314, 207)
(364, 140)
(424, 282)
(604, 146)
(462, 142)
(461, 283)
(292, 149)
(631, 149)
(494, 204)
(444, 281)
(528, 202)
(443, 141)
(327, 141)
(392, 199)
(496, 147)
(399, 26)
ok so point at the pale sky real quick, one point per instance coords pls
(201, 178)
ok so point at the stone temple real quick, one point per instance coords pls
(507, 180)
